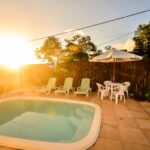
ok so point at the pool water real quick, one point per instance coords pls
(49, 121)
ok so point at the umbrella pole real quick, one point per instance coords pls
(114, 68)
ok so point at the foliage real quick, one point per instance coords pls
(142, 94)
(98, 52)
(108, 48)
(84, 42)
(79, 48)
(50, 49)
(142, 38)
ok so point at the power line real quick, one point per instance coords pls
(116, 38)
(101, 23)
(107, 36)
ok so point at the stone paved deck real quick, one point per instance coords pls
(124, 126)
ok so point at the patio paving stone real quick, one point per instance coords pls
(110, 132)
(135, 108)
(109, 120)
(121, 106)
(8, 148)
(147, 134)
(107, 144)
(147, 109)
(91, 148)
(144, 124)
(127, 122)
(123, 113)
(132, 102)
(131, 135)
(136, 147)
(107, 109)
(145, 105)
(140, 115)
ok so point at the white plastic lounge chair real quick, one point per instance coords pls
(126, 84)
(118, 93)
(50, 86)
(66, 87)
(103, 90)
(84, 88)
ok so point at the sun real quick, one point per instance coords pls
(15, 52)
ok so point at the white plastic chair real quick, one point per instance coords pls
(126, 84)
(108, 83)
(103, 90)
(118, 93)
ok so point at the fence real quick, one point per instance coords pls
(138, 73)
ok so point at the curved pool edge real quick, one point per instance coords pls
(82, 144)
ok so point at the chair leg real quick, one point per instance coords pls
(90, 90)
(66, 93)
(116, 99)
(120, 97)
(124, 99)
(102, 95)
(127, 94)
(87, 94)
(110, 97)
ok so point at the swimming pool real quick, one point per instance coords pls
(48, 123)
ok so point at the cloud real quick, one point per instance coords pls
(129, 45)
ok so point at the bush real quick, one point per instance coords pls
(142, 94)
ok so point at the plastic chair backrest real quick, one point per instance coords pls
(99, 86)
(122, 88)
(127, 84)
(85, 83)
(107, 82)
(51, 83)
(68, 83)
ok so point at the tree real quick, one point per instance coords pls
(50, 50)
(142, 38)
(108, 48)
(84, 42)
(79, 48)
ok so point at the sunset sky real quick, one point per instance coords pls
(25, 20)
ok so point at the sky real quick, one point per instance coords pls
(25, 20)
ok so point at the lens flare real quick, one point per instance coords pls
(15, 52)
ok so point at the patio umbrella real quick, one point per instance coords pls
(114, 56)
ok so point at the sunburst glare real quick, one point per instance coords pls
(14, 51)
